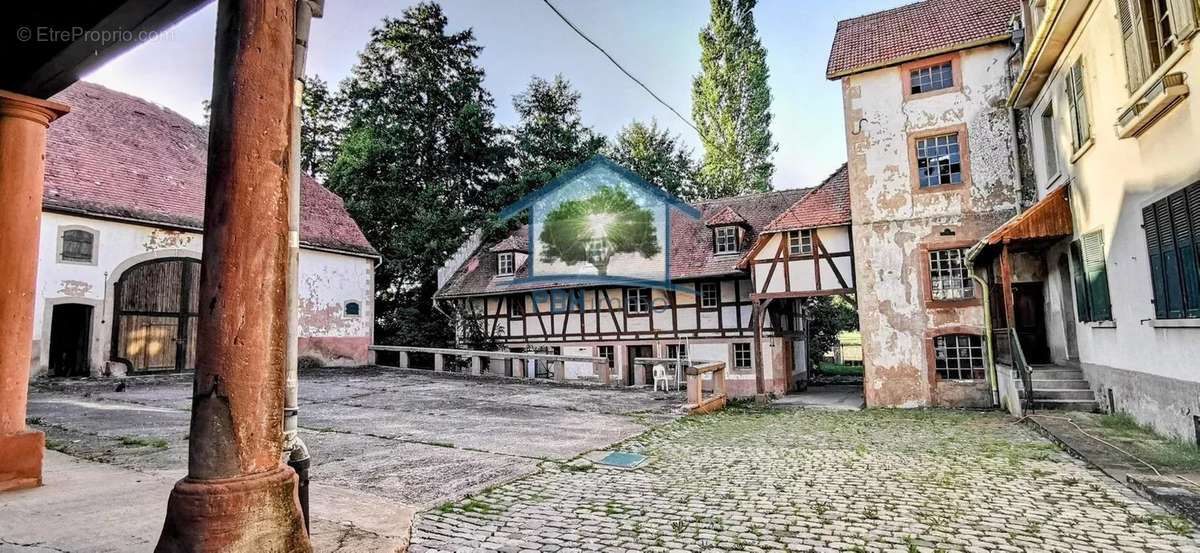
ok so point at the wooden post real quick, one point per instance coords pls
(695, 388)
(756, 319)
(238, 495)
(477, 365)
(402, 359)
(719, 383)
(23, 124)
(439, 363)
(1006, 285)
(560, 370)
(605, 373)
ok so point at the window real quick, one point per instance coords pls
(677, 351)
(1091, 278)
(710, 294)
(504, 264)
(928, 79)
(1151, 30)
(1172, 227)
(726, 239)
(516, 306)
(958, 357)
(77, 246)
(606, 352)
(1081, 128)
(742, 357)
(800, 242)
(939, 160)
(1049, 144)
(637, 300)
(352, 309)
(949, 278)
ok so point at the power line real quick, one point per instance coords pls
(619, 66)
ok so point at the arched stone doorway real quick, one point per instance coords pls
(154, 315)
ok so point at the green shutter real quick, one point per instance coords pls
(1081, 295)
(1078, 100)
(1184, 223)
(1096, 273)
(1133, 39)
(1150, 226)
(1168, 245)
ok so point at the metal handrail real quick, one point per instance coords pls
(1024, 370)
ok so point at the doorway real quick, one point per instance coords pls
(70, 335)
(631, 369)
(156, 305)
(1030, 313)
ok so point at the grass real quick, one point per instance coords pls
(139, 441)
(841, 370)
(1142, 441)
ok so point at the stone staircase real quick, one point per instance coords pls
(1061, 387)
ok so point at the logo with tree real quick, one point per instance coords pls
(594, 229)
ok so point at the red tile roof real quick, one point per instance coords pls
(914, 30)
(827, 205)
(692, 254)
(118, 155)
(516, 242)
(727, 216)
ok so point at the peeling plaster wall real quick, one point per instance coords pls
(1112, 179)
(892, 222)
(332, 279)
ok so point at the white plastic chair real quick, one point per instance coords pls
(660, 375)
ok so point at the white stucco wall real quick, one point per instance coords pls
(327, 281)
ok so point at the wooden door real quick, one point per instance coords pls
(156, 304)
(1030, 314)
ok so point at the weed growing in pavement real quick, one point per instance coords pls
(139, 441)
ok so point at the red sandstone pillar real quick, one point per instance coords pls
(239, 496)
(23, 123)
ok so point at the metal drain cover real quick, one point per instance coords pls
(624, 460)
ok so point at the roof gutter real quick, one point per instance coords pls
(919, 55)
(1059, 22)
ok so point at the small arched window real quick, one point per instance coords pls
(353, 309)
(78, 246)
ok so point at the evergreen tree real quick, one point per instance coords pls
(320, 128)
(420, 156)
(549, 138)
(731, 103)
(658, 157)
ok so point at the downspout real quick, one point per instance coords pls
(295, 451)
(987, 336)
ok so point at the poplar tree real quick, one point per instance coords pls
(731, 103)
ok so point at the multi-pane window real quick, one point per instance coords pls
(1172, 227)
(606, 352)
(949, 278)
(1091, 278)
(637, 300)
(504, 264)
(800, 242)
(677, 351)
(742, 358)
(516, 306)
(959, 357)
(353, 309)
(710, 294)
(77, 245)
(1152, 30)
(1081, 128)
(934, 77)
(939, 160)
(726, 239)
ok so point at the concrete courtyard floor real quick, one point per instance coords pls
(386, 443)
(789, 479)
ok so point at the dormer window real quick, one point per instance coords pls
(725, 239)
(504, 264)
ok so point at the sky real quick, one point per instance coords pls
(656, 40)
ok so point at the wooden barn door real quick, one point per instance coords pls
(155, 315)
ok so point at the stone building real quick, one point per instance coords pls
(120, 244)
(1105, 89)
(745, 260)
(930, 149)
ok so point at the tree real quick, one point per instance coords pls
(658, 157)
(731, 103)
(421, 154)
(320, 128)
(549, 138)
(827, 317)
(594, 229)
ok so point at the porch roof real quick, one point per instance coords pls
(1048, 219)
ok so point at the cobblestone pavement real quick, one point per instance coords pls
(774, 480)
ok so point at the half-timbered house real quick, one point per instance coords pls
(732, 294)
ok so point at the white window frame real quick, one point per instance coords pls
(800, 242)
(725, 239)
(715, 289)
(512, 264)
(733, 355)
(637, 301)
